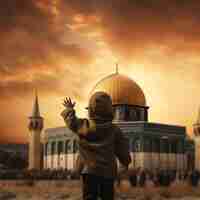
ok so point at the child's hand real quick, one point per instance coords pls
(69, 109)
(68, 103)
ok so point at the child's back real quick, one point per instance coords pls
(100, 141)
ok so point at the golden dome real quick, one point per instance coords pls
(122, 90)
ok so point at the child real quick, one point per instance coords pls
(100, 142)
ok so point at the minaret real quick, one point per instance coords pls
(196, 128)
(35, 128)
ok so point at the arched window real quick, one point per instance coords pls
(66, 146)
(53, 148)
(165, 144)
(45, 148)
(133, 145)
(75, 146)
(173, 146)
(60, 147)
(147, 145)
(156, 145)
(180, 146)
(132, 114)
(121, 112)
(137, 146)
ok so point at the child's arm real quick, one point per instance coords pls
(78, 126)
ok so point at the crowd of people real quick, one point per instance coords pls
(156, 178)
(137, 178)
(46, 174)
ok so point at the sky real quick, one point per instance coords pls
(63, 47)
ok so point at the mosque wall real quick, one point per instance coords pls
(64, 161)
(147, 151)
(153, 161)
(197, 152)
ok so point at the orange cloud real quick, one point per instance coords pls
(63, 47)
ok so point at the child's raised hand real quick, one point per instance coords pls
(68, 103)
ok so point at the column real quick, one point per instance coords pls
(60, 155)
(161, 154)
(153, 154)
(138, 153)
(178, 155)
(75, 152)
(131, 152)
(49, 157)
(141, 152)
(150, 154)
(64, 153)
(45, 155)
(170, 155)
(164, 152)
(52, 154)
(70, 154)
(182, 154)
(156, 153)
(56, 155)
(147, 153)
(166, 141)
(175, 154)
(117, 113)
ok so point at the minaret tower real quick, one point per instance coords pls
(196, 127)
(35, 128)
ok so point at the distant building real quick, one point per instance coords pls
(152, 145)
(197, 142)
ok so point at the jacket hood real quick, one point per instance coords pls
(100, 107)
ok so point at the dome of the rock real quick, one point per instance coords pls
(122, 90)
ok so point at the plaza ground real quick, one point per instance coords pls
(71, 190)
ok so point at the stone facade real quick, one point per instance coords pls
(197, 153)
(149, 148)
(155, 146)
(60, 149)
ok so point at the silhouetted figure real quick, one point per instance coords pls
(176, 181)
(194, 178)
(133, 179)
(100, 142)
(142, 178)
(149, 182)
(166, 178)
(155, 177)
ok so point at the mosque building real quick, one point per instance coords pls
(152, 145)
(197, 142)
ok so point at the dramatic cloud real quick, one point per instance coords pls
(62, 47)
(130, 26)
(32, 47)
